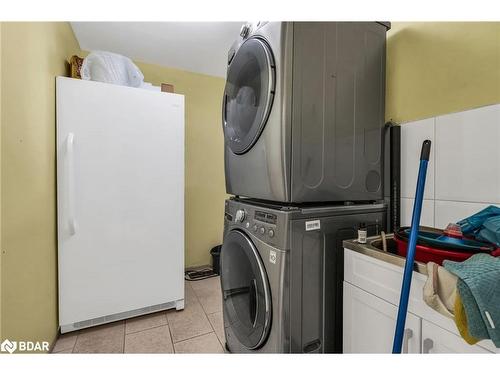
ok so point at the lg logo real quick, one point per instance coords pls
(23, 346)
(8, 346)
(272, 256)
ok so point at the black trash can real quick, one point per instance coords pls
(215, 252)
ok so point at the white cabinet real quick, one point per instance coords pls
(371, 296)
(438, 340)
(369, 324)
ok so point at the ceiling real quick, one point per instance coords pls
(199, 47)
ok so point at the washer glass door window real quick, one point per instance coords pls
(248, 94)
(245, 290)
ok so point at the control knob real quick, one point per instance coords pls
(240, 216)
(245, 29)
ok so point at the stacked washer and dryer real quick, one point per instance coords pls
(303, 120)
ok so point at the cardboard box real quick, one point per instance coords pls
(167, 87)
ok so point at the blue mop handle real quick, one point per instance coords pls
(410, 253)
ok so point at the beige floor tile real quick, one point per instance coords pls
(145, 322)
(65, 342)
(202, 344)
(108, 338)
(188, 323)
(154, 340)
(65, 351)
(190, 329)
(210, 283)
(189, 295)
(217, 324)
(210, 299)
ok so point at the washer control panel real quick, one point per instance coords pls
(265, 223)
(265, 217)
(258, 221)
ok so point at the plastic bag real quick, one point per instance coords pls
(472, 224)
(113, 68)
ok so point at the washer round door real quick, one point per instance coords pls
(245, 290)
(248, 95)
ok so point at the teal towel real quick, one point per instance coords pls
(479, 287)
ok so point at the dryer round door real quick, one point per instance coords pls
(245, 290)
(248, 95)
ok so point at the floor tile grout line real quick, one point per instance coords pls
(59, 338)
(194, 337)
(76, 341)
(205, 334)
(74, 345)
(203, 308)
(171, 338)
(195, 295)
(124, 323)
(146, 329)
(213, 327)
(206, 315)
(124, 335)
(96, 329)
(204, 312)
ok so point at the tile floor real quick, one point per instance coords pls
(196, 329)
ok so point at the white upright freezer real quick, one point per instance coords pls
(120, 200)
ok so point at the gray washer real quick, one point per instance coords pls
(303, 111)
(282, 286)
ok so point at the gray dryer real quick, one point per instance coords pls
(303, 111)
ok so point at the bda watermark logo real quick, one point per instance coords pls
(8, 346)
(23, 346)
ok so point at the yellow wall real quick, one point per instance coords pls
(205, 188)
(435, 68)
(32, 55)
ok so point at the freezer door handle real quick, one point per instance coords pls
(71, 183)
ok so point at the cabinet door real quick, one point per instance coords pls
(438, 340)
(369, 324)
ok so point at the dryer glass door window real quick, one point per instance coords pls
(248, 94)
(245, 290)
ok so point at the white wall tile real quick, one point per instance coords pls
(426, 217)
(450, 212)
(464, 168)
(467, 155)
(412, 136)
